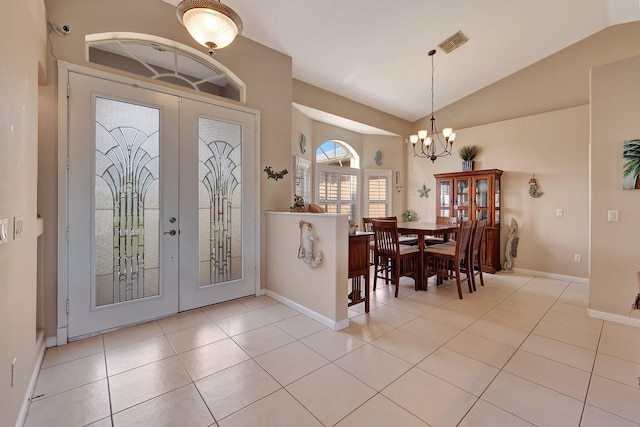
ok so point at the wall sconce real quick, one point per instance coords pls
(398, 183)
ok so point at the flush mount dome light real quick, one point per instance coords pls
(210, 22)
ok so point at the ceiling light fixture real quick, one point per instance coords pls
(210, 22)
(431, 146)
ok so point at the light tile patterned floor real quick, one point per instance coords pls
(519, 352)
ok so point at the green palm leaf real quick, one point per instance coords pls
(631, 155)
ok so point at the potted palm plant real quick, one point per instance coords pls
(631, 156)
(468, 153)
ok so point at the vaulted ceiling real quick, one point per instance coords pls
(375, 52)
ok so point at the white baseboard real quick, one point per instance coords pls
(603, 315)
(41, 348)
(336, 326)
(62, 337)
(526, 272)
(51, 342)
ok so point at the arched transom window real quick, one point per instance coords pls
(164, 60)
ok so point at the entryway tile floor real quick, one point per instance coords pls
(520, 351)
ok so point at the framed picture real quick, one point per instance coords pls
(631, 165)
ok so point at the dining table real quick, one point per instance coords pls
(422, 229)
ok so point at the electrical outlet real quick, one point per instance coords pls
(577, 258)
(559, 212)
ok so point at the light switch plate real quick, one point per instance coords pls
(612, 216)
(4, 230)
(17, 227)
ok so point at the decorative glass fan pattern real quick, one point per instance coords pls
(220, 199)
(126, 201)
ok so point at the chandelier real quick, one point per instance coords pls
(210, 22)
(431, 145)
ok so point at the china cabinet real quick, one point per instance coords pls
(470, 196)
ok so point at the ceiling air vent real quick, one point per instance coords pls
(453, 42)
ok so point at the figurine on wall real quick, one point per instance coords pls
(378, 157)
(511, 249)
(303, 144)
(271, 174)
(424, 191)
(307, 243)
(533, 188)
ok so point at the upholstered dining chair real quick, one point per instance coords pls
(449, 260)
(402, 259)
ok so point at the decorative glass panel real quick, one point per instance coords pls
(127, 201)
(166, 63)
(481, 193)
(463, 193)
(445, 194)
(463, 215)
(482, 214)
(220, 201)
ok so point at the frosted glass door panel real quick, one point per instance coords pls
(126, 201)
(220, 201)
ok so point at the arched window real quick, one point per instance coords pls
(338, 178)
(164, 60)
(337, 153)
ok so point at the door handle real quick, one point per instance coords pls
(170, 232)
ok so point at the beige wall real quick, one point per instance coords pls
(319, 292)
(615, 259)
(557, 82)
(554, 146)
(20, 68)
(320, 99)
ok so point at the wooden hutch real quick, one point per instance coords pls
(474, 195)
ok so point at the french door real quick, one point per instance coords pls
(160, 204)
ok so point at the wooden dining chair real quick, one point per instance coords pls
(451, 261)
(402, 259)
(475, 252)
(382, 269)
(435, 240)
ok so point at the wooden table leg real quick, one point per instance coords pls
(366, 291)
(422, 286)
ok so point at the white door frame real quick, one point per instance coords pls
(63, 177)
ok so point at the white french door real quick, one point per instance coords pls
(160, 204)
(217, 212)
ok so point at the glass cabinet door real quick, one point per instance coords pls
(481, 198)
(444, 202)
(462, 199)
